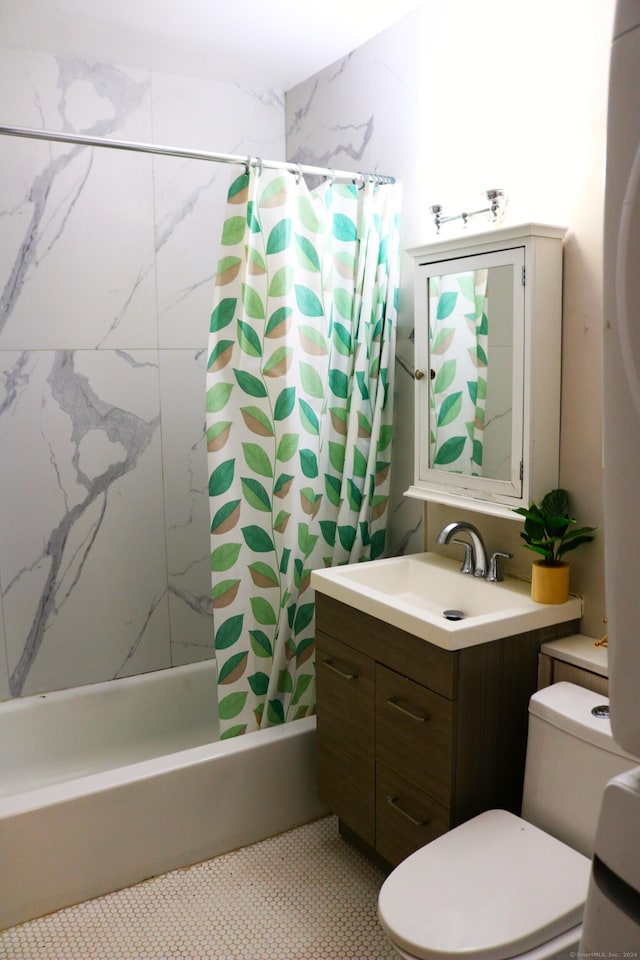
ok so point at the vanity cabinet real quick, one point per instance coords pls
(414, 739)
(488, 347)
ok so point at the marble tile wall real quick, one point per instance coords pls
(361, 113)
(106, 267)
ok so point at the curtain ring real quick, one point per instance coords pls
(247, 166)
(258, 163)
(331, 176)
(299, 173)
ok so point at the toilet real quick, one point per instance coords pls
(501, 886)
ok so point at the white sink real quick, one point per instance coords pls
(413, 593)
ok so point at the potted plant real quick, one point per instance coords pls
(551, 531)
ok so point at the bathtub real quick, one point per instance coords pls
(108, 784)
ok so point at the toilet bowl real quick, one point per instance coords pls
(501, 886)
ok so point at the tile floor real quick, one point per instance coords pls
(304, 895)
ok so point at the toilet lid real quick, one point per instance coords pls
(491, 888)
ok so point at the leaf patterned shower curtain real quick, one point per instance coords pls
(299, 414)
(459, 351)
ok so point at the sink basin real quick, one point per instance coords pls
(420, 592)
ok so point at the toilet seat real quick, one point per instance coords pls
(520, 889)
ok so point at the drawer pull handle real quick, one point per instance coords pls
(420, 717)
(341, 673)
(393, 802)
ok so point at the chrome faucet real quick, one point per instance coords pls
(475, 554)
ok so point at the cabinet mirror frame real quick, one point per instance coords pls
(431, 364)
(535, 252)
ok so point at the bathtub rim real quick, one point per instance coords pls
(26, 801)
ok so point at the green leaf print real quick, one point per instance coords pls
(311, 381)
(259, 683)
(224, 557)
(309, 419)
(237, 188)
(263, 611)
(250, 384)
(252, 303)
(302, 683)
(263, 575)
(279, 322)
(359, 464)
(304, 616)
(341, 339)
(309, 463)
(282, 485)
(466, 286)
(344, 302)
(220, 355)
(260, 643)
(248, 340)
(281, 283)
(442, 340)
(354, 496)
(287, 447)
(224, 593)
(218, 396)
(339, 384)
(229, 632)
(347, 535)
(233, 231)
(253, 221)
(257, 421)
(226, 517)
(275, 712)
(275, 193)
(333, 488)
(336, 456)
(255, 494)
(377, 544)
(328, 530)
(233, 668)
(445, 376)
(446, 305)
(386, 435)
(307, 254)
(279, 237)
(450, 409)
(257, 459)
(344, 228)
(285, 403)
(307, 301)
(231, 705)
(308, 215)
(238, 730)
(278, 363)
(221, 478)
(312, 341)
(223, 314)
(258, 539)
(285, 683)
(450, 451)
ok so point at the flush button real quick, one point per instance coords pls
(601, 711)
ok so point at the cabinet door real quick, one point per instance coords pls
(415, 733)
(345, 731)
(406, 818)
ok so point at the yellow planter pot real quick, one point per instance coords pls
(549, 584)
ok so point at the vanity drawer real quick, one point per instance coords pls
(415, 733)
(406, 818)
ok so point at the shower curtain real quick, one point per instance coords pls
(459, 351)
(299, 422)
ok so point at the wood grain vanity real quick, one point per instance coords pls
(412, 738)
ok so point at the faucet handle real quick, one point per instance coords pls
(494, 574)
(468, 564)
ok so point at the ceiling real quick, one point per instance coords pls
(266, 43)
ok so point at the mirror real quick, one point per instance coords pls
(471, 365)
(485, 307)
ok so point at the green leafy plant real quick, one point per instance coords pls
(549, 528)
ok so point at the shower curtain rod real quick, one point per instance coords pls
(299, 168)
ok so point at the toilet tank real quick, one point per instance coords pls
(571, 754)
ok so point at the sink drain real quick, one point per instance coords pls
(453, 614)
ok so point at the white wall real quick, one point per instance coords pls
(475, 96)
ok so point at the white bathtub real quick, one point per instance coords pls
(105, 785)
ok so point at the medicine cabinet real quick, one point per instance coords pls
(488, 343)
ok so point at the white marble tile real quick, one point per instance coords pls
(84, 582)
(76, 223)
(182, 391)
(190, 195)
